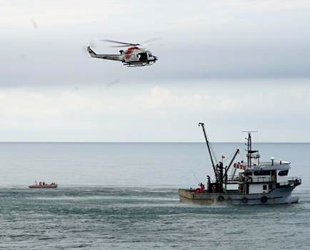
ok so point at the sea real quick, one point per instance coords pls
(124, 196)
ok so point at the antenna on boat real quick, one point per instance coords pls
(249, 147)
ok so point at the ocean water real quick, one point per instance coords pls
(124, 196)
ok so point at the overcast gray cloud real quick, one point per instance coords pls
(217, 39)
(238, 62)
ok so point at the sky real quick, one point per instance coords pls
(233, 64)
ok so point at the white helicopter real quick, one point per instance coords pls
(132, 56)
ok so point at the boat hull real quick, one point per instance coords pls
(43, 186)
(234, 197)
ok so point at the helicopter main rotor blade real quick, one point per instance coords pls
(113, 41)
(151, 40)
(123, 46)
(124, 43)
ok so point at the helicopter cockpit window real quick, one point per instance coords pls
(143, 57)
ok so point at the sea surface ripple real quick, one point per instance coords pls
(124, 196)
(142, 218)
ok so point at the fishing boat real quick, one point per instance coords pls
(251, 182)
(43, 185)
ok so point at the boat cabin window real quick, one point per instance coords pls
(264, 187)
(262, 172)
(283, 173)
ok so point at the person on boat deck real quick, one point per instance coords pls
(43, 183)
(202, 187)
(209, 183)
(213, 188)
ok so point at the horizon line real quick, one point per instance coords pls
(150, 142)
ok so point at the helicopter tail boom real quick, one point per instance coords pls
(113, 57)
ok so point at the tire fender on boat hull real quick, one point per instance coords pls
(264, 199)
(244, 200)
(220, 198)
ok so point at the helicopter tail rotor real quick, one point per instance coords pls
(91, 44)
(91, 52)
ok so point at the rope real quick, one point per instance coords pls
(226, 159)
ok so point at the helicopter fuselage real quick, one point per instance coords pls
(133, 56)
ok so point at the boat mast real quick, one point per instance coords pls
(208, 146)
(249, 148)
(249, 161)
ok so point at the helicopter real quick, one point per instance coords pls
(133, 56)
